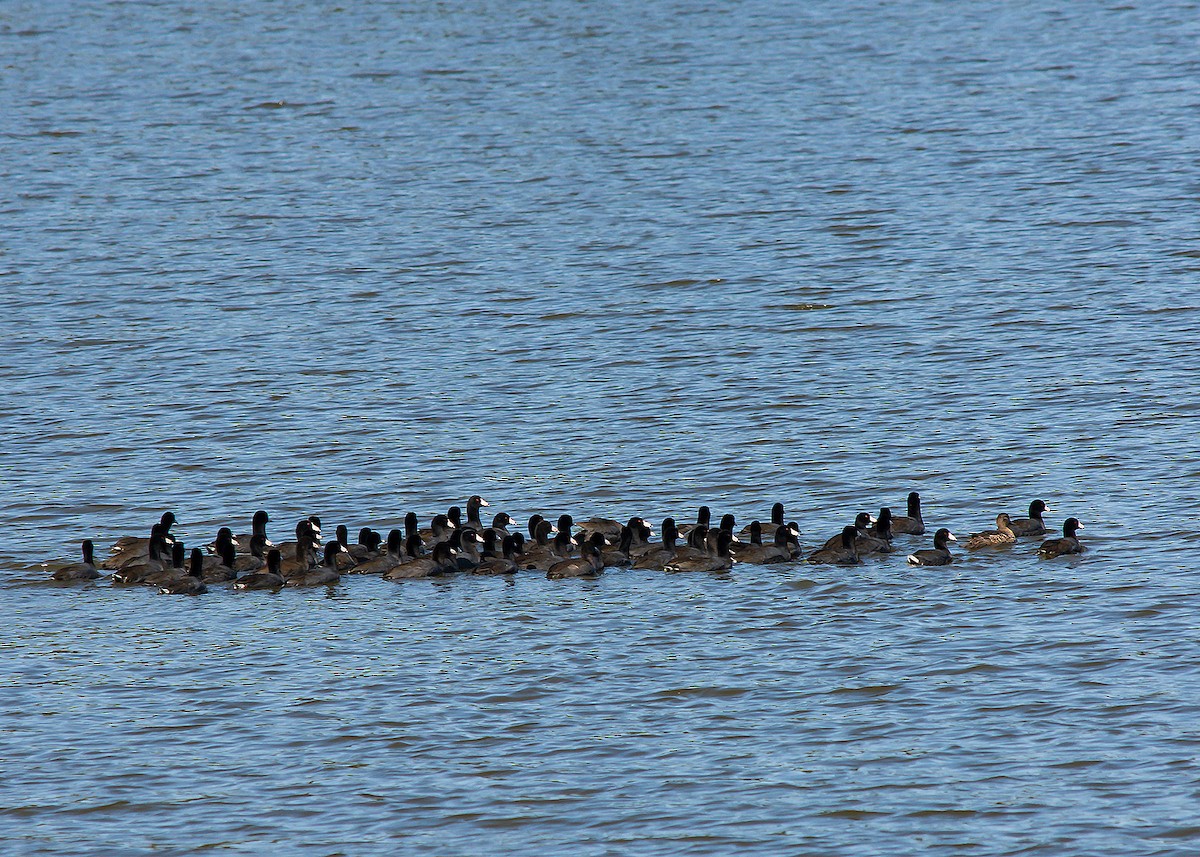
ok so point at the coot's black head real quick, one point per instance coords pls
(501, 520)
(777, 514)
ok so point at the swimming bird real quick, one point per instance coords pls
(843, 553)
(656, 557)
(939, 554)
(911, 524)
(696, 546)
(542, 554)
(501, 521)
(138, 569)
(504, 564)
(268, 579)
(85, 570)
(133, 546)
(1002, 536)
(225, 571)
(191, 583)
(614, 557)
(474, 502)
(759, 554)
(324, 574)
(258, 527)
(717, 559)
(308, 539)
(775, 522)
(703, 519)
(366, 548)
(1033, 525)
(1068, 544)
(172, 570)
(439, 530)
(587, 564)
(439, 561)
(391, 558)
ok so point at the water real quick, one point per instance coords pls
(367, 258)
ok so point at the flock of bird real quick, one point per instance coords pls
(456, 543)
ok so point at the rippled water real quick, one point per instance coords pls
(619, 259)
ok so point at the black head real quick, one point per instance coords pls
(862, 520)
(542, 533)
(777, 514)
(724, 538)
(848, 535)
(410, 523)
(454, 516)
(413, 546)
(332, 549)
(669, 530)
(197, 569)
(704, 516)
(1037, 508)
(565, 523)
(227, 553)
(395, 541)
(755, 533)
(534, 520)
(728, 522)
(501, 520)
(365, 536)
(224, 535)
(1070, 526)
(89, 551)
(177, 554)
(942, 537)
(273, 561)
(167, 519)
(698, 536)
(914, 504)
(260, 518)
(474, 502)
